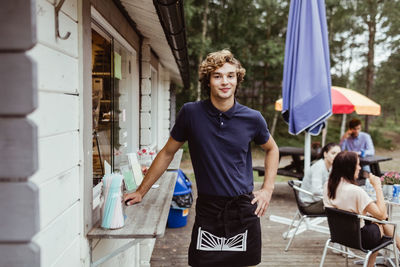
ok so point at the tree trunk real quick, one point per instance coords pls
(370, 56)
(203, 40)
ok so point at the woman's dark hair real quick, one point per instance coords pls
(326, 148)
(344, 166)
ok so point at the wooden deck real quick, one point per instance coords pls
(306, 249)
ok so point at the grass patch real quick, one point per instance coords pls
(279, 178)
(191, 177)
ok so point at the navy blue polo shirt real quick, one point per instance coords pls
(219, 145)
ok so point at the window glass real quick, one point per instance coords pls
(101, 103)
(122, 109)
(111, 91)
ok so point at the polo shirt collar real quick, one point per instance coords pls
(213, 111)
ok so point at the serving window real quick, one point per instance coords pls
(114, 103)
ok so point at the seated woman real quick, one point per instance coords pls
(341, 192)
(315, 178)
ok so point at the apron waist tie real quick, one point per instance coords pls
(224, 213)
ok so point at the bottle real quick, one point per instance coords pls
(370, 189)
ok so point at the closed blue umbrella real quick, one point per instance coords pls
(306, 87)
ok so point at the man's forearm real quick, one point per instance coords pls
(157, 168)
(271, 163)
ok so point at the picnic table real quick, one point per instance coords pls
(296, 167)
(373, 162)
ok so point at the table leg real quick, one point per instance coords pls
(298, 164)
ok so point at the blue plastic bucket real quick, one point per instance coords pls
(177, 217)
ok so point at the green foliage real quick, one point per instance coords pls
(255, 31)
(185, 147)
(379, 140)
(387, 89)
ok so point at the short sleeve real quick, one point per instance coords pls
(262, 133)
(362, 200)
(179, 131)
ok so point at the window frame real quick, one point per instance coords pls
(98, 22)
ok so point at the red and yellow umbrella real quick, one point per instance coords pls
(345, 101)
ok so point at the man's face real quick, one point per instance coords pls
(223, 82)
(355, 131)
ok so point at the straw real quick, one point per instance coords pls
(112, 207)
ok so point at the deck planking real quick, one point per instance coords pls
(306, 249)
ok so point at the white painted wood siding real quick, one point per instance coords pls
(59, 177)
(163, 107)
(57, 118)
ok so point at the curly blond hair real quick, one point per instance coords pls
(214, 61)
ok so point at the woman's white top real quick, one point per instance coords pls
(313, 181)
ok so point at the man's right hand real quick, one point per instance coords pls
(347, 134)
(132, 198)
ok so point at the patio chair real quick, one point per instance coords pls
(301, 212)
(345, 229)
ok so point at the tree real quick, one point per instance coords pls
(387, 86)
(255, 31)
(377, 14)
(203, 42)
(342, 29)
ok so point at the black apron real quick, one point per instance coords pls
(226, 232)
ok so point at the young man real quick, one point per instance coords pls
(357, 141)
(219, 131)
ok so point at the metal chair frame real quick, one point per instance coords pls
(301, 213)
(357, 235)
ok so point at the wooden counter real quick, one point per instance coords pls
(146, 219)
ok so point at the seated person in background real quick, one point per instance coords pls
(315, 178)
(357, 141)
(341, 192)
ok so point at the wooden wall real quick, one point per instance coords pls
(58, 118)
(19, 197)
(43, 163)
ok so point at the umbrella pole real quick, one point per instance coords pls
(307, 151)
(324, 133)
(343, 127)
